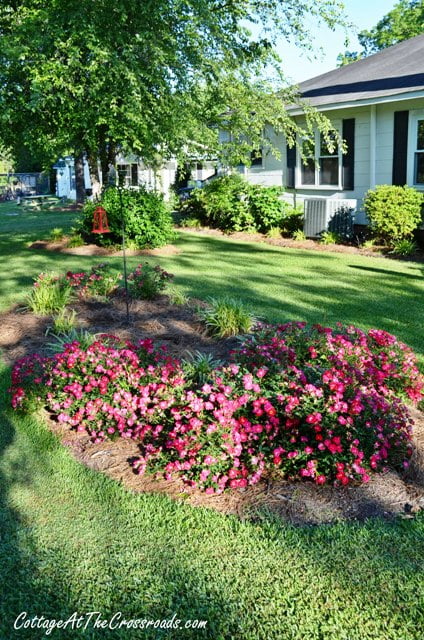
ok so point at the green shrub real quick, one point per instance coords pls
(192, 211)
(369, 244)
(226, 203)
(405, 247)
(50, 294)
(56, 234)
(148, 219)
(222, 204)
(331, 237)
(266, 206)
(76, 240)
(231, 203)
(227, 317)
(63, 322)
(274, 233)
(299, 235)
(292, 219)
(394, 212)
(192, 223)
(147, 282)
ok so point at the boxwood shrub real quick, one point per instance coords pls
(394, 212)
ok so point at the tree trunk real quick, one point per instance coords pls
(107, 156)
(79, 178)
(96, 184)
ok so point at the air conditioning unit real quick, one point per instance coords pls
(323, 214)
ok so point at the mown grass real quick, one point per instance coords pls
(278, 284)
(74, 540)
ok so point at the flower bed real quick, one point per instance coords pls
(301, 402)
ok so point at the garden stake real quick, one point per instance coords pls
(123, 252)
(112, 183)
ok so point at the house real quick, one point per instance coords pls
(134, 173)
(377, 105)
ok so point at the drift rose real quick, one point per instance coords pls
(299, 402)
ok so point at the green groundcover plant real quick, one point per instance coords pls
(311, 403)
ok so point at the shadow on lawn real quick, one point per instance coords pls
(49, 581)
(389, 272)
(18, 568)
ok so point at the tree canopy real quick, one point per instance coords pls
(404, 21)
(153, 77)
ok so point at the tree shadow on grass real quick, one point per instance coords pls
(386, 272)
(64, 556)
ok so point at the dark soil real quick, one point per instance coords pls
(386, 495)
(309, 244)
(95, 250)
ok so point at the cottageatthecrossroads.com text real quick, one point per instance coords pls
(95, 620)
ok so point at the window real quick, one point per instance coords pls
(134, 175)
(328, 161)
(256, 158)
(128, 174)
(308, 162)
(321, 163)
(419, 153)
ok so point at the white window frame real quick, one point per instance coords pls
(299, 162)
(414, 117)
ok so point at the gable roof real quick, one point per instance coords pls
(396, 70)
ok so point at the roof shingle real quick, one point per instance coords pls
(393, 71)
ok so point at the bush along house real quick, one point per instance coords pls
(377, 105)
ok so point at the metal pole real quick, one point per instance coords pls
(123, 252)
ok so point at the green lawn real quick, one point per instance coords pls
(73, 540)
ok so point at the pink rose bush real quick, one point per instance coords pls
(97, 282)
(302, 402)
(147, 282)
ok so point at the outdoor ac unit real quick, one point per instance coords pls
(324, 213)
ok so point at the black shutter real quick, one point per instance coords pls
(400, 148)
(291, 166)
(348, 162)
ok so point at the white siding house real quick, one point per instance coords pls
(134, 171)
(377, 104)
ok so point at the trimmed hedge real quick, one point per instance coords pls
(394, 212)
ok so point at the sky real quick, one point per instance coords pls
(363, 13)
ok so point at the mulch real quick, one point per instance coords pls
(376, 251)
(95, 250)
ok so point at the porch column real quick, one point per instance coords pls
(373, 144)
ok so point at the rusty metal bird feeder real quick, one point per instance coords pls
(100, 222)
